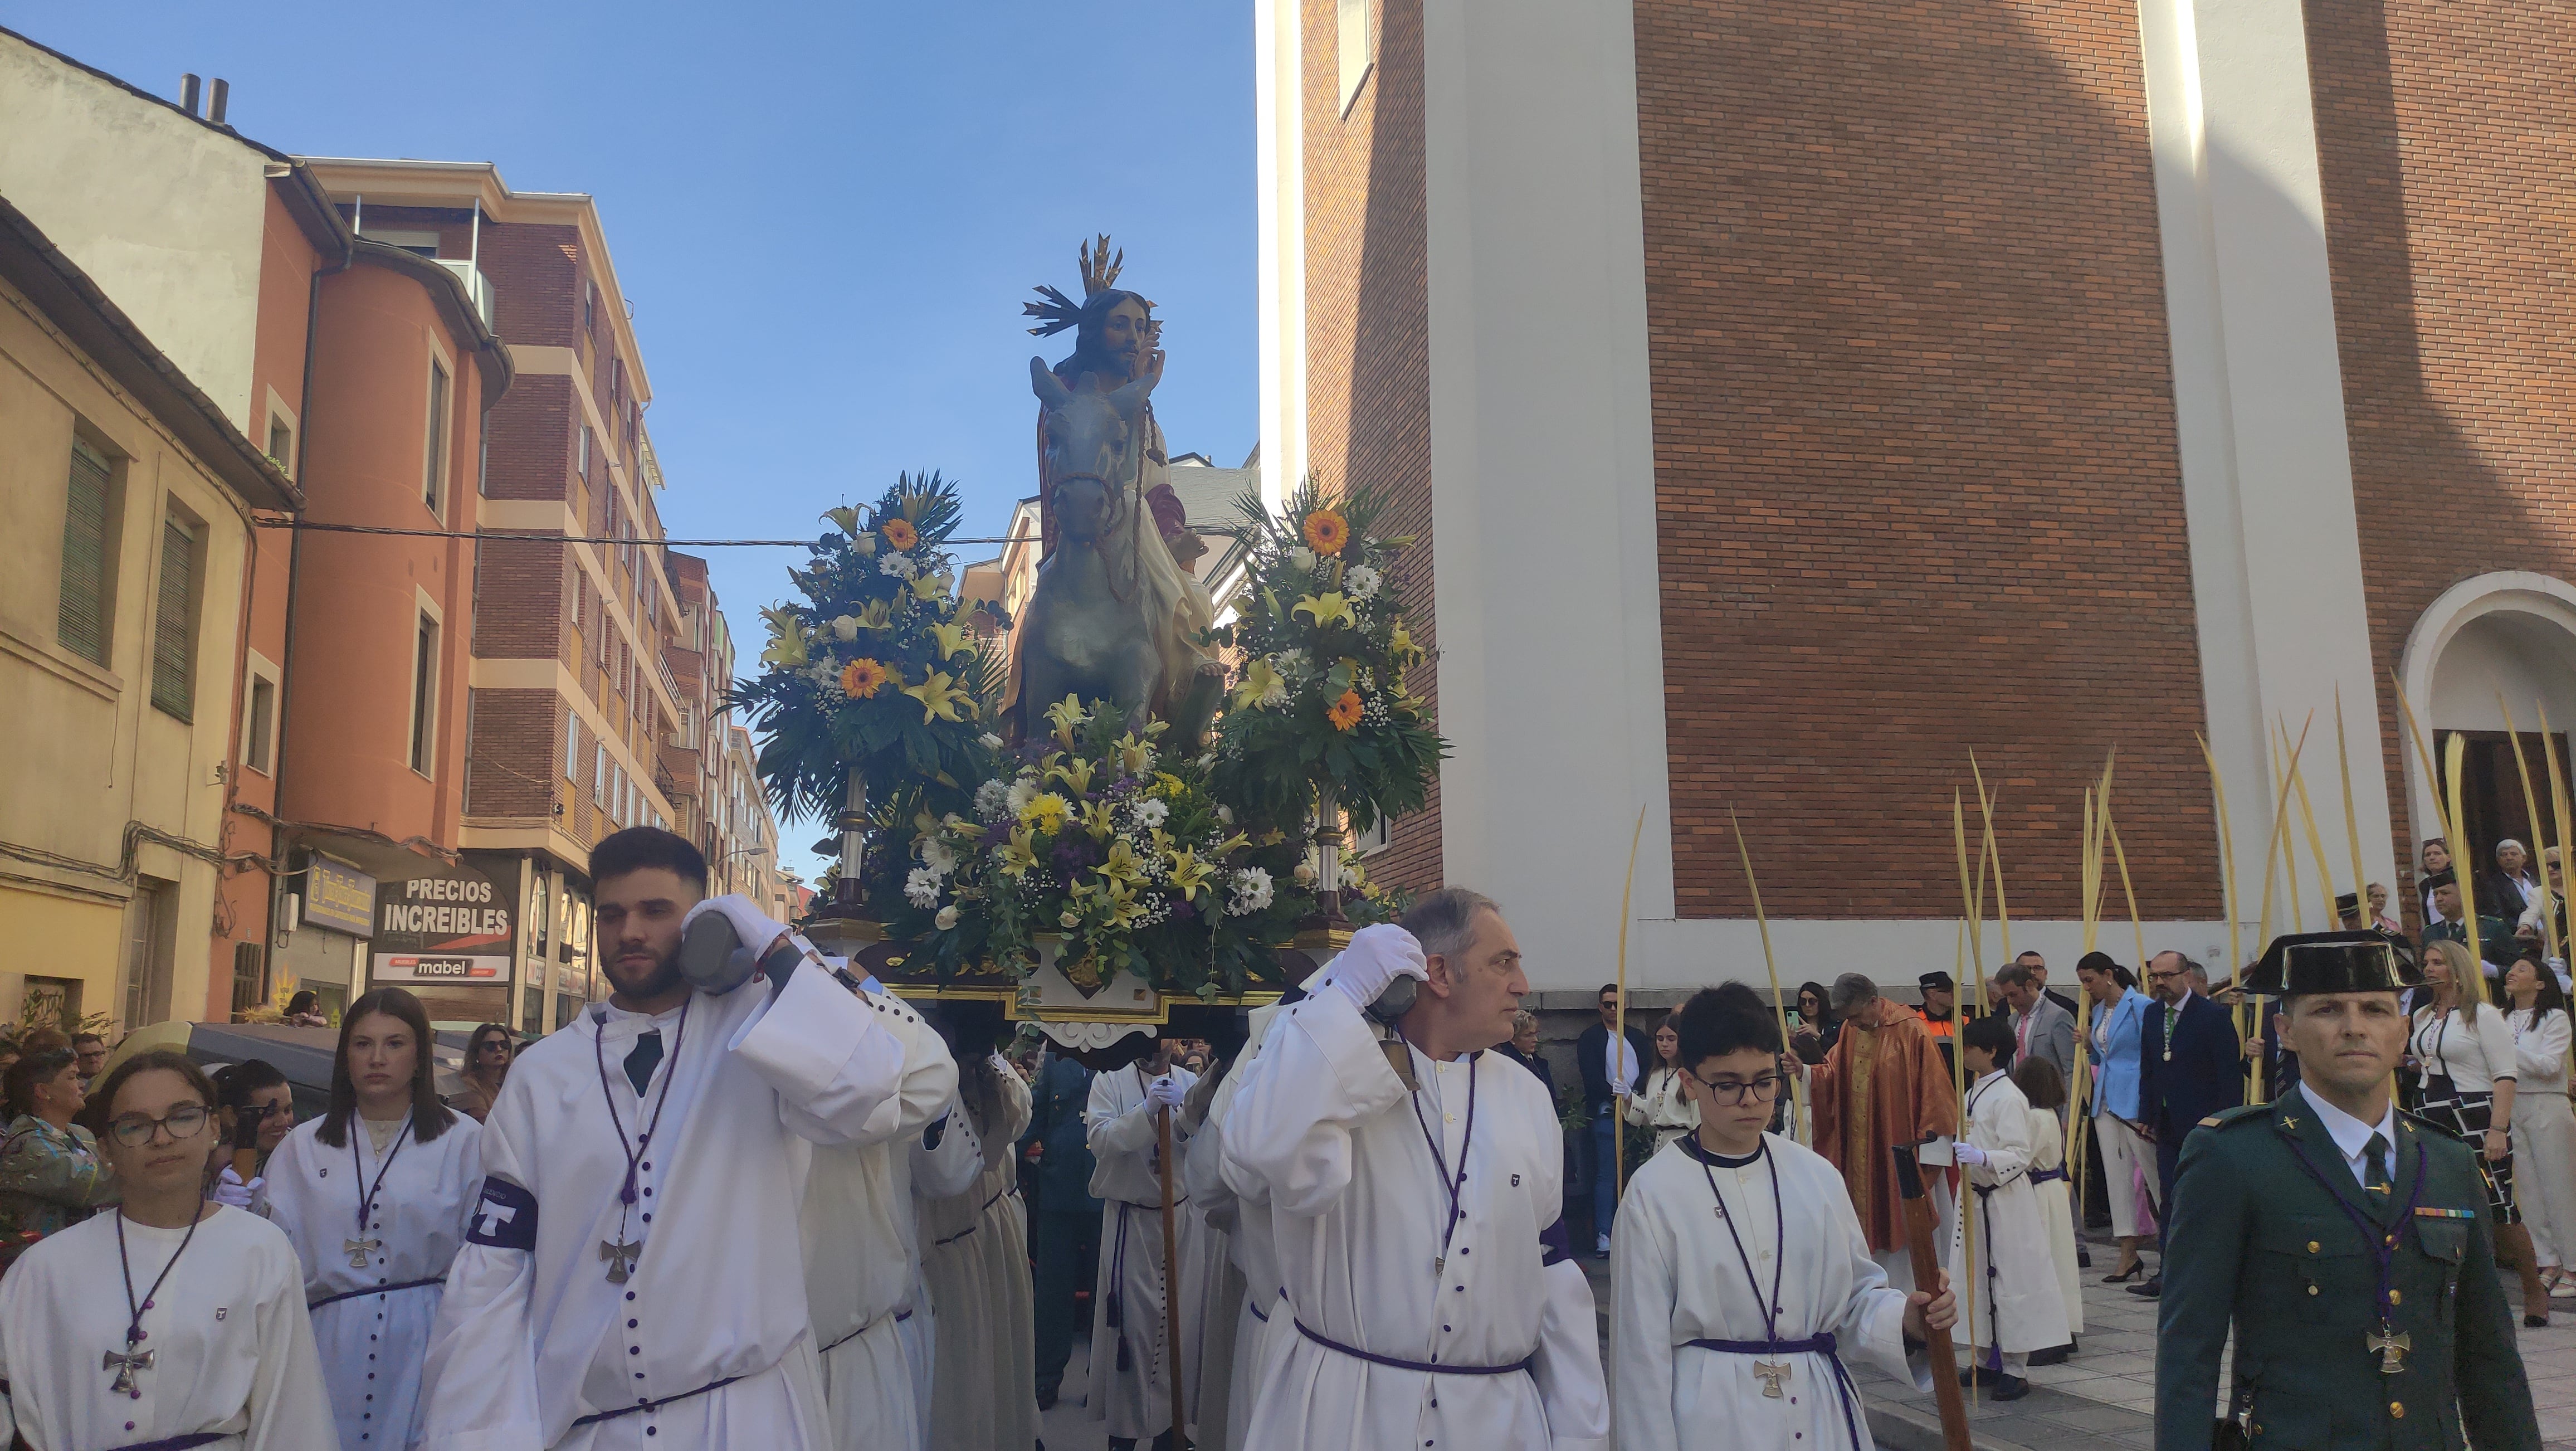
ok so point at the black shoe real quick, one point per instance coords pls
(2152, 1289)
(2053, 1355)
(2135, 1269)
(1978, 1375)
(1046, 1398)
(2010, 1388)
(2083, 1258)
(2535, 1322)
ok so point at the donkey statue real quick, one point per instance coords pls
(1110, 618)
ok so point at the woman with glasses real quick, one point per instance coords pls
(1740, 1276)
(487, 1063)
(172, 1322)
(51, 1174)
(1662, 1105)
(376, 1194)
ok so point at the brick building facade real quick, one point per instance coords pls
(1794, 402)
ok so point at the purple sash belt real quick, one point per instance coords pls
(2048, 1176)
(1821, 1343)
(181, 1443)
(1373, 1358)
(376, 1290)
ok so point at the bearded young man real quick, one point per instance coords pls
(1416, 1208)
(2345, 1243)
(634, 1276)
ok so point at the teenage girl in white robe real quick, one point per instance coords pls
(975, 1258)
(377, 1195)
(1736, 1246)
(206, 1298)
(2018, 1306)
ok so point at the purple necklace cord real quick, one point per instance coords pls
(367, 1191)
(635, 1150)
(133, 1311)
(1780, 1243)
(2382, 1243)
(1456, 1186)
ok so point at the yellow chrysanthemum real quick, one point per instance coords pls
(1327, 531)
(900, 534)
(862, 678)
(1046, 812)
(1345, 712)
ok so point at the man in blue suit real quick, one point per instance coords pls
(2190, 1066)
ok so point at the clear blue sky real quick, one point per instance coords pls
(825, 216)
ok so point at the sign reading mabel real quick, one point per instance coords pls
(452, 926)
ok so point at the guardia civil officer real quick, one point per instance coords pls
(2346, 1242)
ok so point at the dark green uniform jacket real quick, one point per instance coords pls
(2258, 1240)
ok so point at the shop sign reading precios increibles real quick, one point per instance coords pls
(442, 929)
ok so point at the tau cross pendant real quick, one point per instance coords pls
(2392, 1348)
(1771, 1377)
(358, 1249)
(125, 1364)
(621, 1259)
(1439, 1266)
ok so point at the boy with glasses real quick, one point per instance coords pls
(1742, 1277)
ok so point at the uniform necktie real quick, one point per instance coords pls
(2374, 1158)
(642, 1059)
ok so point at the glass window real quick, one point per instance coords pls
(174, 621)
(81, 622)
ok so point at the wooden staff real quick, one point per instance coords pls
(1779, 1008)
(1171, 1280)
(1619, 1032)
(1927, 1274)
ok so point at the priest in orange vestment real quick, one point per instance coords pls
(1884, 1084)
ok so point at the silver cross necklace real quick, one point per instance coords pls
(621, 1253)
(131, 1359)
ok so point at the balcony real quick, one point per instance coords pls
(478, 288)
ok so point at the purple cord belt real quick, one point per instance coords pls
(181, 1443)
(1821, 1343)
(1373, 1358)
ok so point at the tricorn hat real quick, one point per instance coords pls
(2331, 962)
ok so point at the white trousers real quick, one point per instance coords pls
(2124, 1156)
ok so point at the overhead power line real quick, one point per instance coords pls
(545, 537)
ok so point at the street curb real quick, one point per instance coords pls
(1904, 1428)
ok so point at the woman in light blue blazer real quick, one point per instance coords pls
(2119, 1018)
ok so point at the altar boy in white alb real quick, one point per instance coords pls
(1743, 1279)
(2018, 1305)
(1430, 1300)
(634, 1277)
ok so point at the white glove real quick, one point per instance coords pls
(1377, 956)
(1969, 1154)
(754, 932)
(1166, 1092)
(229, 1189)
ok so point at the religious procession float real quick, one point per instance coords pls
(1120, 810)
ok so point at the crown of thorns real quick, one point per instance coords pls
(1056, 312)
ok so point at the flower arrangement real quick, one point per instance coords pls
(1319, 711)
(876, 672)
(1095, 838)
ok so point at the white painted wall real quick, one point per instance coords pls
(2258, 393)
(164, 213)
(1542, 472)
(2511, 631)
(1279, 189)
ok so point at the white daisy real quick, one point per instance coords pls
(921, 887)
(1358, 584)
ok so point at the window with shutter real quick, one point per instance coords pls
(174, 622)
(572, 746)
(81, 622)
(434, 485)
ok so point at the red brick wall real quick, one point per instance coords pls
(1917, 489)
(1368, 329)
(2445, 137)
(532, 451)
(516, 768)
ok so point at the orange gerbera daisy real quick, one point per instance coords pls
(1327, 531)
(900, 533)
(1345, 712)
(862, 678)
